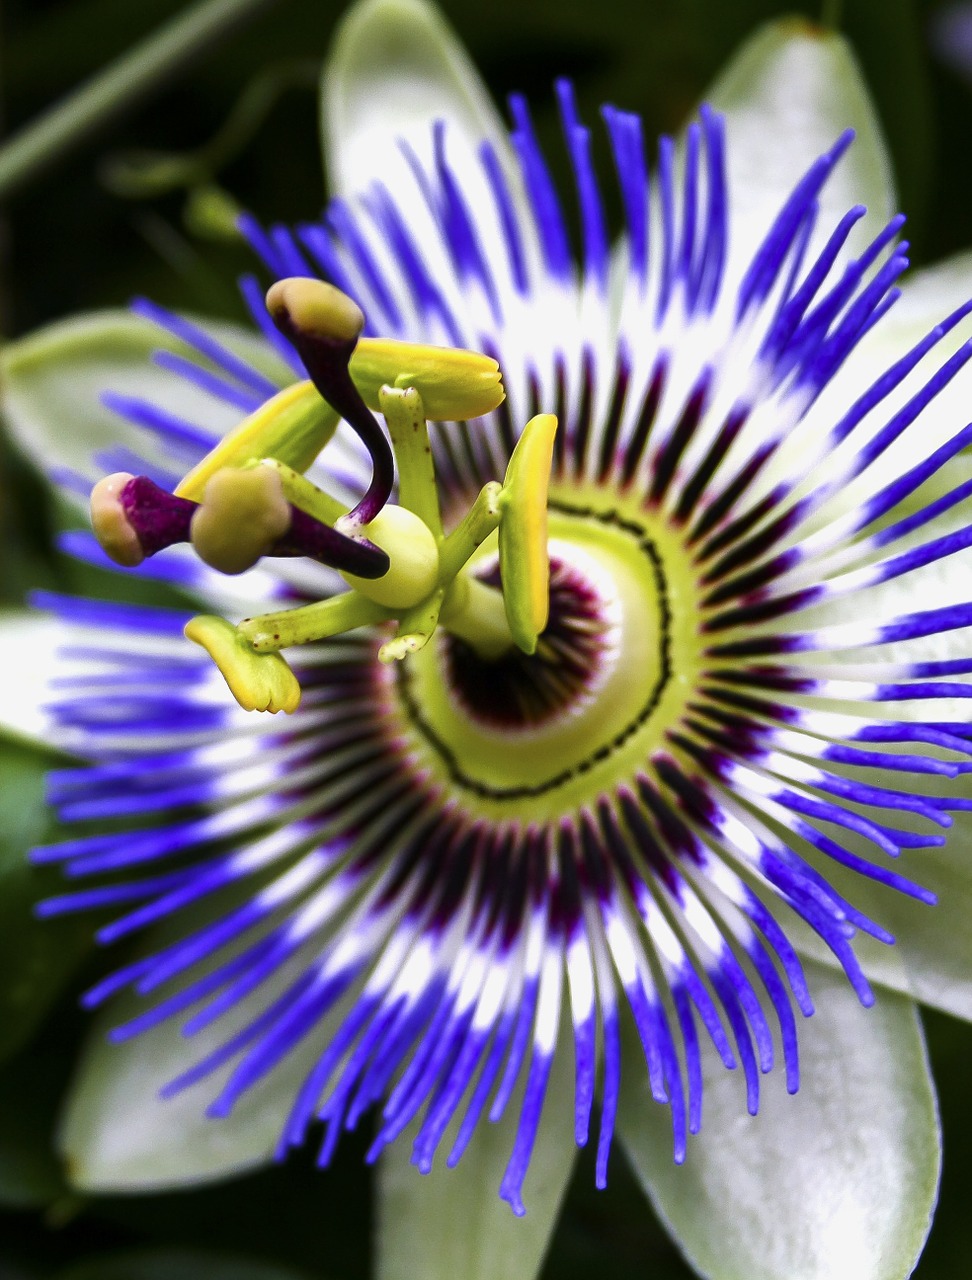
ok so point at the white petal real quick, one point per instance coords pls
(28, 658)
(836, 1183)
(451, 1222)
(396, 67)
(788, 94)
(54, 379)
(118, 1135)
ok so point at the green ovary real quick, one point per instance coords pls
(640, 595)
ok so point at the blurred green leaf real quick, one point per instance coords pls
(176, 1264)
(30, 1173)
(36, 959)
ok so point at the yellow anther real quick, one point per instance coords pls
(258, 681)
(316, 309)
(294, 426)
(242, 515)
(414, 558)
(454, 384)
(524, 562)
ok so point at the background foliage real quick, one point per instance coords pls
(76, 238)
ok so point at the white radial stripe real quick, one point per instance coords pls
(619, 935)
(580, 977)
(499, 975)
(548, 1001)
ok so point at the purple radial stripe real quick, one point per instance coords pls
(220, 388)
(814, 335)
(797, 258)
(191, 885)
(882, 387)
(502, 1037)
(873, 301)
(777, 939)
(628, 152)
(83, 546)
(693, 1057)
(224, 1053)
(780, 999)
(791, 313)
(308, 1098)
(207, 346)
(812, 808)
(685, 253)
(665, 187)
(920, 690)
(506, 212)
(109, 615)
(261, 244)
(518, 1047)
(620, 857)
(610, 1091)
(341, 222)
(542, 194)
(426, 294)
(296, 1013)
(891, 533)
(674, 1088)
(862, 866)
(593, 229)
(437, 1045)
(578, 953)
(459, 227)
(182, 999)
(740, 1030)
(107, 895)
(254, 295)
(905, 416)
(769, 257)
(450, 1094)
(293, 261)
(188, 438)
(647, 1020)
(715, 236)
(511, 1187)
(382, 1047)
(884, 760)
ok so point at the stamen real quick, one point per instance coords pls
(134, 518)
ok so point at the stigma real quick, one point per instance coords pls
(252, 497)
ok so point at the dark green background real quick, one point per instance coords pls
(68, 243)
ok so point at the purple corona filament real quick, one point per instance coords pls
(348, 893)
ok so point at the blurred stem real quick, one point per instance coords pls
(831, 14)
(133, 76)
